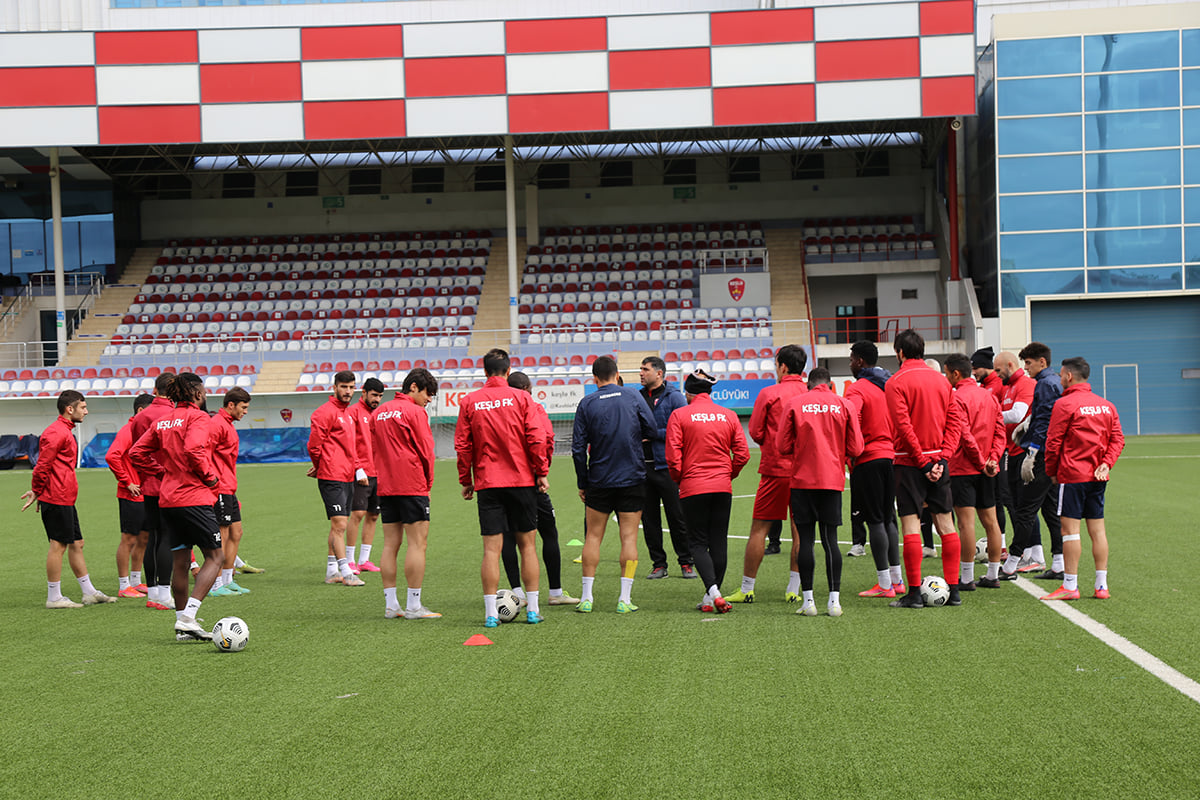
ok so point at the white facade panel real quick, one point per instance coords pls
(752, 65)
(658, 31)
(30, 127)
(557, 72)
(673, 108)
(148, 85)
(853, 100)
(451, 116)
(879, 21)
(257, 44)
(947, 55)
(47, 50)
(454, 39)
(353, 80)
(252, 122)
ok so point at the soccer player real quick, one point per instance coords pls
(502, 455)
(663, 400)
(606, 446)
(872, 479)
(1033, 492)
(228, 510)
(775, 471)
(182, 442)
(364, 508)
(973, 469)
(158, 558)
(546, 524)
(824, 428)
(132, 549)
(1015, 401)
(55, 488)
(335, 465)
(403, 444)
(983, 371)
(1083, 442)
(925, 435)
(705, 450)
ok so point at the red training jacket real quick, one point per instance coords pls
(118, 462)
(182, 444)
(994, 384)
(924, 428)
(873, 420)
(706, 448)
(499, 438)
(824, 427)
(363, 446)
(224, 452)
(764, 424)
(54, 478)
(402, 439)
(143, 422)
(331, 442)
(1018, 389)
(1084, 433)
(985, 440)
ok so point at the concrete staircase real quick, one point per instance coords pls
(491, 317)
(791, 311)
(93, 334)
(278, 377)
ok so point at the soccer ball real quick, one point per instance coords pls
(230, 634)
(507, 605)
(981, 550)
(934, 591)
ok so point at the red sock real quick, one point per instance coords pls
(913, 553)
(950, 558)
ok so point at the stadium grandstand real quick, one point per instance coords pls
(266, 195)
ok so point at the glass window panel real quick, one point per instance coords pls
(1122, 170)
(1138, 246)
(1191, 246)
(1152, 279)
(1132, 129)
(1133, 209)
(1193, 277)
(1191, 205)
(1040, 135)
(28, 238)
(1037, 57)
(1191, 48)
(1041, 250)
(1191, 126)
(1117, 52)
(1038, 96)
(1041, 174)
(1191, 87)
(1041, 212)
(5, 251)
(1014, 286)
(1131, 90)
(1191, 165)
(96, 242)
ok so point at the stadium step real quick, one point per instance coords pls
(492, 320)
(278, 377)
(87, 345)
(791, 309)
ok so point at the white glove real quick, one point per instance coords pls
(1019, 431)
(361, 475)
(1027, 466)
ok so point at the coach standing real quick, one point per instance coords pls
(663, 399)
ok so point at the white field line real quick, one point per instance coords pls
(1152, 664)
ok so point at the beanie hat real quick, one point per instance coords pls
(983, 358)
(699, 382)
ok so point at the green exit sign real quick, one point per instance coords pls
(684, 192)
(336, 201)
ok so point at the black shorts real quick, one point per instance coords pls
(816, 505)
(507, 510)
(1082, 500)
(132, 515)
(403, 509)
(191, 526)
(61, 523)
(366, 498)
(227, 509)
(337, 497)
(622, 499)
(914, 490)
(150, 519)
(973, 491)
(873, 490)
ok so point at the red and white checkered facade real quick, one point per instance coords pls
(763, 67)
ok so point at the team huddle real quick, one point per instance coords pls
(981, 438)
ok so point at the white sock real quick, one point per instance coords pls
(414, 599)
(896, 577)
(519, 592)
(626, 590)
(532, 599)
(1070, 581)
(586, 593)
(331, 566)
(966, 571)
(350, 554)
(1058, 564)
(226, 576)
(237, 562)
(135, 577)
(808, 597)
(793, 583)
(364, 553)
(53, 591)
(747, 584)
(489, 605)
(343, 565)
(1101, 579)
(835, 598)
(556, 592)
(389, 598)
(122, 583)
(85, 583)
(993, 570)
(164, 596)
(884, 577)
(713, 593)
(1038, 554)
(707, 600)
(192, 608)
(1010, 564)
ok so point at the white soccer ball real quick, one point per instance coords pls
(230, 634)
(507, 605)
(934, 591)
(981, 550)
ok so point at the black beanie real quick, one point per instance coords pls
(699, 382)
(983, 358)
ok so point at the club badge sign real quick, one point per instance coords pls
(285, 414)
(723, 290)
(737, 288)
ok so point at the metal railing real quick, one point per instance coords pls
(738, 259)
(847, 330)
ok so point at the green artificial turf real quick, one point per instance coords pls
(999, 698)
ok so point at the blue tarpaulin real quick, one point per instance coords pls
(255, 446)
(13, 448)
